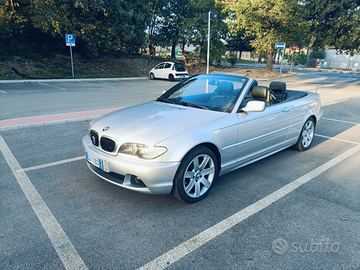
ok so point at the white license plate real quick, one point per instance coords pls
(94, 160)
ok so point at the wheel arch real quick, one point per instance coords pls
(213, 148)
(314, 118)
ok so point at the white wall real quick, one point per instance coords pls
(336, 59)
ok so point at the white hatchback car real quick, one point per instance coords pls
(169, 70)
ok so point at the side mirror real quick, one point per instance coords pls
(254, 106)
(164, 92)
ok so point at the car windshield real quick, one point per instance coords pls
(211, 92)
(180, 67)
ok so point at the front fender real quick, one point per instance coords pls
(222, 133)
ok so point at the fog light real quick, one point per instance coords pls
(136, 181)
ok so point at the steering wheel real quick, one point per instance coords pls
(222, 102)
(228, 98)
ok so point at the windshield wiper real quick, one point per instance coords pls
(188, 104)
(193, 105)
(166, 100)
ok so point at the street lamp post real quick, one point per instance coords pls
(209, 16)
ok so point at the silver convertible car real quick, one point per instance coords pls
(200, 129)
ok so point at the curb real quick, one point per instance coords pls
(2, 129)
(73, 80)
(84, 119)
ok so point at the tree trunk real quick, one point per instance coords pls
(200, 54)
(269, 62)
(173, 47)
(183, 53)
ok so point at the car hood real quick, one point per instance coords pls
(152, 122)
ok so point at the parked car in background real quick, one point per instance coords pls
(169, 71)
(201, 128)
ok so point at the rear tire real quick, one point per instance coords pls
(306, 136)
(196, 175)
(171, 77)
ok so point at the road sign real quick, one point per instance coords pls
(280, 46)
(70, 40)
(293, 47)
(213, 16)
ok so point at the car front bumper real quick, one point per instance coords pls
(138, 175)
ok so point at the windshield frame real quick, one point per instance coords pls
(210, 78)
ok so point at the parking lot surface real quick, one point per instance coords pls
(292, 210)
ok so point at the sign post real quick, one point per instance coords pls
(293, 49)
(209, 16)
(70, 41)
(281, 46)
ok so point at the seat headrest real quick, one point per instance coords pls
(277, 86)
(225, 88)
(260, 92)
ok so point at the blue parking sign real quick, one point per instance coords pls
(280, 46)
(70, 40)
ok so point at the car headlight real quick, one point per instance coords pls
(142, 150)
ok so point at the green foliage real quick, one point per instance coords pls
(240, 42)
(35, 29)
(100, 27)
(300, 58)
(270, 21)
(233, 58)
(334, 23)
(318, 54)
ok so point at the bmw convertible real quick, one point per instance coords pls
(197, 131)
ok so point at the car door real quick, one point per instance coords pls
(167, 70)
(159, 71)
(261, 133)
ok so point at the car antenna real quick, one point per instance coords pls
(316, 90)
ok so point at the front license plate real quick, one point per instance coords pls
(94, 160)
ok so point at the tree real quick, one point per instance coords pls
(270, 21)
(240, 42)
(99, 26)
(335, 23)
(182, 23)
(157, 8)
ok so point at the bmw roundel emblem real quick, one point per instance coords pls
(106, 128)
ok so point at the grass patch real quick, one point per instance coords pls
(59, 66)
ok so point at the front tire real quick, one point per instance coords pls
(306, 136)
(196, 175)
(152, 76)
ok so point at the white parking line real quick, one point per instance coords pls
(53, 163)
(335, 102)
(202, 238)
(336, 139)
(342, 121)
(62, 244)
(52, 86)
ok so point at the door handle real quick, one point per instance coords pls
(287, 109)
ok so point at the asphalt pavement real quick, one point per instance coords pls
(291, 210)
